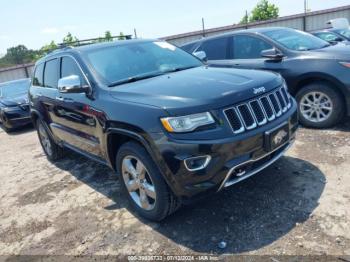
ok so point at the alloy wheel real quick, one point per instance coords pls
(316, 106)
(45, 140)
(138, 183)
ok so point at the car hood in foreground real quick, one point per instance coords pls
(197, 89)
(19, 100)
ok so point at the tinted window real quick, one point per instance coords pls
(296, 40)
(38, 75)
(118, 63)
(189, 47)
(51, 74)
(69, 67)
(248, 47)
(344, 32)
(216, 49)
(327, 36)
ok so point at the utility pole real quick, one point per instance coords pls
(246, 19)
(304, 18)
(203, 28)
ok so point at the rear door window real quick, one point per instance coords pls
(248, 47)
(215, 49)
(51, 73)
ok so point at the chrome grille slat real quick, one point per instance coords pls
(258, 111)
(281, 101)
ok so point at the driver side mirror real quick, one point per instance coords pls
(71, 84)
(272, 54)
(201, 55)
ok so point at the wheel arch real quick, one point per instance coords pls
(35, 115)
(324, 78)
(116, 137)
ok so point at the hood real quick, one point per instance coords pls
(19, 100)
(197, 89)
(339, 51)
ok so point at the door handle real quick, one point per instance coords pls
(63, 99)
(59, 98)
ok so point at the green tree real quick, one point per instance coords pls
(20, 55)
(70, 39)
(47, 48)
(108, 36)
(121, 36)
(245, 19)
(264, 11)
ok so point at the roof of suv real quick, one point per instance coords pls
(258, 30)
(83, 48)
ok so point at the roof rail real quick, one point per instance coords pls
(94, 41)
(71, 45)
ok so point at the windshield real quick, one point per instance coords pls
(344, 32)
(135, 61)
(14, 89)
(296, 40)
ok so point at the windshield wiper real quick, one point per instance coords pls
(176, 69)
(134, 79)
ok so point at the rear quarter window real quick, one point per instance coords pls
(38, 75)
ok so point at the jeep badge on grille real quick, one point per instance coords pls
(259, 90)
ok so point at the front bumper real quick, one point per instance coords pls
(16, 118)
(232, 159)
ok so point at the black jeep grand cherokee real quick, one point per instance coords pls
(170, 126)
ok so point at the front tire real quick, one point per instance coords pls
(143, 184)
(320, 106)
(52, 150)
(5, 124)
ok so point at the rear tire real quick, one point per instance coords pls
(52, 150)
(320, 106)
(147, 192)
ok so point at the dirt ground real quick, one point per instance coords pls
(298, 206)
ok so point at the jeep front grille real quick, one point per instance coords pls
(258, 111)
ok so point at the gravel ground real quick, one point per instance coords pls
(298, 206)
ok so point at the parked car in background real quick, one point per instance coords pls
(316, 72)
(331, 37)
(14, 107)
(172, 127)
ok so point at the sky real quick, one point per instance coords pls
(35, 23)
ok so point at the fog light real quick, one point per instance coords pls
(197, 163)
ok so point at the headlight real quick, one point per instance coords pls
(187, 123)
(12, 108)
(346, 64)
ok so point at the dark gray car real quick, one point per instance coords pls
(317, 73)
